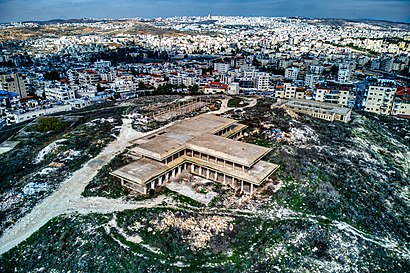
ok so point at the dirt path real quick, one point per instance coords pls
(68, 199)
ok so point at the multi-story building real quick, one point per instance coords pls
(334, 93)
(311, 80)
(262, 81)
(221, 67)
(88, 76)
(401, 102)
(292, 73)
(59, 93)
(380, 97)
(289, 91)
(316, 69)
(203, 146)
(8, 100)
(14, 83)
(343, 75)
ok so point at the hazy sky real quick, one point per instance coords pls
(20, 10)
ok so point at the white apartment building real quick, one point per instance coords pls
(221, 67)
(380, 98)
(262, 81)
(292, 73)
(334, 94)
(59, 93)
(343, 75)
(311, 80)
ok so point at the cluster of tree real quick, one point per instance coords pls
(52, 75)
(46, 124)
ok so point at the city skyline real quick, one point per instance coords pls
(11, 10)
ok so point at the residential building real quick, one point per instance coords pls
(380, 97)
(343, 75)
(292, 73)
(334, 93)
(14, 83)
(401, 102)
(215, 87)
(262, 81)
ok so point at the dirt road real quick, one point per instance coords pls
(68, 199)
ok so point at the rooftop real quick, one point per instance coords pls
(198, 134)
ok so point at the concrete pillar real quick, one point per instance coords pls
(167, 177)
(192, 168)
(200, 170)
(153, 184)
(179, 169)
(251, 188)
(173, 173)
(242, 186)
(224, 179)
(216, 176)
(207, 173)
(160, 180)
(122, 182)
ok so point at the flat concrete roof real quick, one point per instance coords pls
(323, 106)
(239, 152)
(140, 171)
(172, 139)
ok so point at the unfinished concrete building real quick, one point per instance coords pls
(205, 145)
(322, 110)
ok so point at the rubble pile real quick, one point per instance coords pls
(197, 231)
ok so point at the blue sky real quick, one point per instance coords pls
(21, 10)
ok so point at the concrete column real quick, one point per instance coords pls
(243, 168)
(179, 169)
(167, 177)
(251, 188)
(216, 176)
(224, 179)
(173, 173)
(224, 163)
(122, 182)
(200, 170)
(192, 168)
(160, 180)
(242, 186)
(207, 173)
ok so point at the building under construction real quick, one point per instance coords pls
(205, 145)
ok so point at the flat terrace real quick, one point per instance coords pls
(173, 139)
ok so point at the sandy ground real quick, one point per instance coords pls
(68, 199)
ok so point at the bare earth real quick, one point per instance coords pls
(68, 199)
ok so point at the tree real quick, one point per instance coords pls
(52, 75)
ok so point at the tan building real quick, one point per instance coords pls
(204, 146)
(14, 83)
(287, 91)
(333, 93)
(380, 98)
(322, 110)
